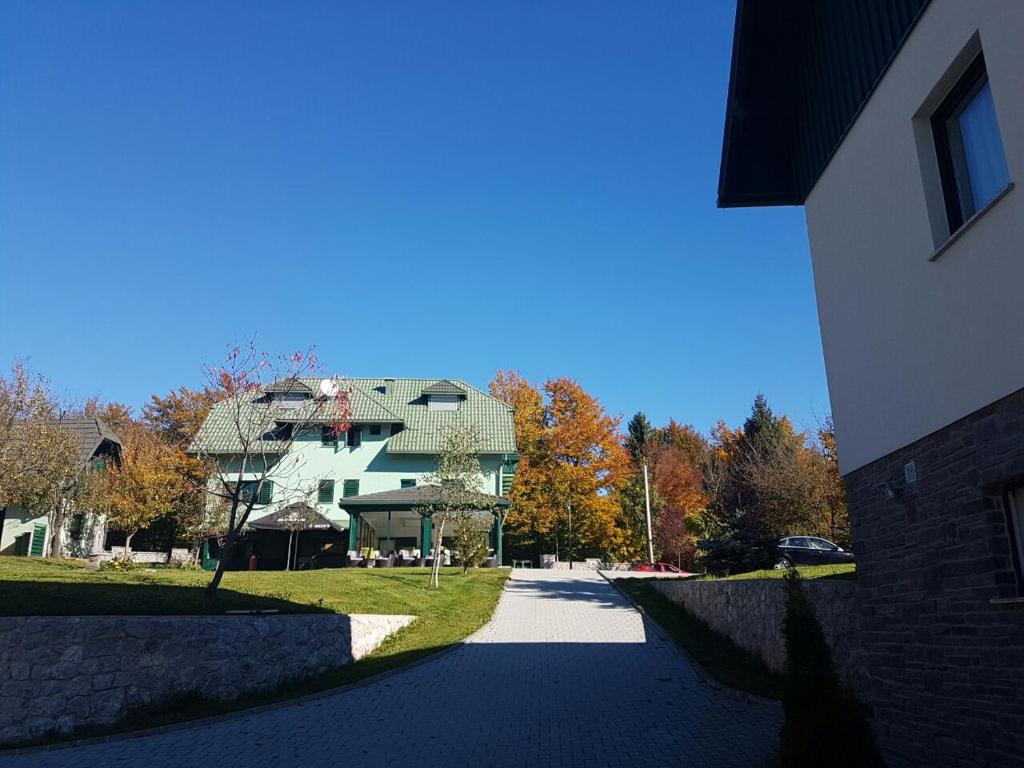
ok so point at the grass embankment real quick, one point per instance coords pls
(463, 604)
(845, 571)
(719, 656)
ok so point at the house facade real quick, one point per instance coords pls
(899, 126)
(365, 487)
(25, 533)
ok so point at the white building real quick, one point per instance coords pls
(899, 125)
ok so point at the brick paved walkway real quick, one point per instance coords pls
(567, 674)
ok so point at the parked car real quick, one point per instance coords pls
(658, 568)
(810, 550)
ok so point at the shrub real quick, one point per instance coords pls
(735, 553)
(121, 563)
(824, 724)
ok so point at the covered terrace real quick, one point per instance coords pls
(400, 520)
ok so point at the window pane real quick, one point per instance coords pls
(1017, 519)
(983, 149)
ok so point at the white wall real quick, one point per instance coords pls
(377, 470)
(912, 345)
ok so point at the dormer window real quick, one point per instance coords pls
(288, 401)
(443, 402)
(443, 395)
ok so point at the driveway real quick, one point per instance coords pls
(566, 674)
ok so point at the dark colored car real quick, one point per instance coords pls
(810, 550)
(659, 568)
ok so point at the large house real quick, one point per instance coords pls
(362, 489)
(899, 126)
(25, 533)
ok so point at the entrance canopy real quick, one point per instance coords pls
(295, 517)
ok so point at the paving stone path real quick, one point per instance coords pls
(566, 674)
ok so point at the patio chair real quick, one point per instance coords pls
(354, 559)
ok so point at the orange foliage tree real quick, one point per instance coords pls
(571, 458)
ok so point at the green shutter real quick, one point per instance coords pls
(38, 540)
(266, 492)
(506, 484)
(325, 494)
(408, 482)
(350, 488)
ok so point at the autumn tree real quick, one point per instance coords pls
(139, 489)
(531, 517)
(40, 466)
(177, 417)
(586, 469)
(259, 428)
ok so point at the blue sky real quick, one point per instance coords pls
(418, 189)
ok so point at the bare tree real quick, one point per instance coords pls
(263, 405)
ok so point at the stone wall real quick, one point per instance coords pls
(58, 674)
(942, 639)
(750, 612)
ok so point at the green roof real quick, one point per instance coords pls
(403, 404)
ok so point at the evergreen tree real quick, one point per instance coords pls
(639, 435)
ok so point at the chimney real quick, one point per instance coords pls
(388, 386)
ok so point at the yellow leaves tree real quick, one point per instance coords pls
(531, 518)
(141, 488)
(571, 458)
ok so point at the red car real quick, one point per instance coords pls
(659, 568)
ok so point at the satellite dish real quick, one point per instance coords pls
(328, 387)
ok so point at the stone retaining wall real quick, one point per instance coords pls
(750, 612)
(58, 674)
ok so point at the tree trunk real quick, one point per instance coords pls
(56, 530)
(288, 555)
(128, 545)
(225, 552)
(435, 571)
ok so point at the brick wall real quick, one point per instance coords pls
(943, 667)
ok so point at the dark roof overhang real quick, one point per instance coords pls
(417, 497)
(801, 72)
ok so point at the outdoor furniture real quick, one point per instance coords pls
(491, 562)
(522, 564)
(355, 560)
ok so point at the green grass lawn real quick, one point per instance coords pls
(463, 604)
(845, 571)
(719, 656)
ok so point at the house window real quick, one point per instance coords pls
(288, 401)
(325, 492)
(444, 403)
(972, 164)
(328, 436)
(249, 489)
(408, 482)
(375, 429)
(350, 488)
(354, 437)
(280, 432)
(1015, 515)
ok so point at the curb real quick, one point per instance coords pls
(706, 678)
(246, 712)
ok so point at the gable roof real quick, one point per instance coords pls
(88, 433)
(801, 73)
(443, 387)
(400, 402)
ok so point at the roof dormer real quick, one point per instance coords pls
(443, 395)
